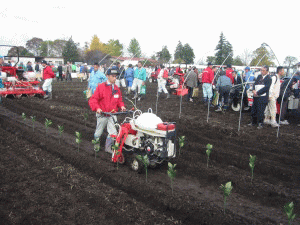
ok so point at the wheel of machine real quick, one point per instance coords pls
(135, 164)
(236, 107)
(150, 80)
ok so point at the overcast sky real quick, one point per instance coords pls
(245, 24)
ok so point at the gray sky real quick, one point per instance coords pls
(245, 24)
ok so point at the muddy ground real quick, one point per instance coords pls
(46, 180)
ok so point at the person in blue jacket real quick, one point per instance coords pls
(140, 77)
(129, 76)
(96, 78)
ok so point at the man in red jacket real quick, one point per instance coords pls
(107, 98)
(207, 80)
(48, 75)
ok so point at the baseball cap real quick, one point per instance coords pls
(113, 71)
(44, 62)
(247, 68)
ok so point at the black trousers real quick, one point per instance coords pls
(284, 110)
(258, 110)
(190, 93)
(224, 93)
(60, 77)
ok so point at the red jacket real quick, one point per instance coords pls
(208, 75)
(104, 99)
(229, 74)
(48, 73)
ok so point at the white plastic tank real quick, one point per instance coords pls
(148, 121)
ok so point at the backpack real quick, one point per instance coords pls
(166, 74)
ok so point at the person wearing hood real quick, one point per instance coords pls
(96, 78)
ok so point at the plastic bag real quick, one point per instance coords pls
(195, 92)
(143, 90)
(123, 83)
(88, 93)
(215, 98)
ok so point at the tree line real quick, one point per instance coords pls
(184, 54)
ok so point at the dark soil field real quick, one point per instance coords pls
(46, 180)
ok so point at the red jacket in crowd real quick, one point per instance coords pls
(208, 75)
(229, 74)
(48, 73)
(106, 99)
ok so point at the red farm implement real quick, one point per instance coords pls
(15, 85)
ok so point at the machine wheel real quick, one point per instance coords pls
(150, 80)
(236, 107)
(136, 165)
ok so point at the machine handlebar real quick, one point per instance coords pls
(116, 113)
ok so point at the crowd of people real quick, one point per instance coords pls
(218, 84)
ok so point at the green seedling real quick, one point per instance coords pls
(181, 142)
(33, 119)
(288, 209)
(171, 173)
(60, 130)
(145, 161)
(85, 117)
(115, 148)
(78, 138)
(208, 151)
(252, 160)
(48, 123)
(226, 190)
(96, 143)
(24, 116)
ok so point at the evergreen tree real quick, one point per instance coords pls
(211, 59)
(134, 48)
(164, 55)
(223, 49)
(237, 61)
(188, 55)
(178, 55)
(262, 57)
(70, 52)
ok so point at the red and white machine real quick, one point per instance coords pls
(17, 83)
(144, 134)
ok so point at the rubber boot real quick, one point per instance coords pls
(158, 94)
(128, 90)
(168, 95)
(204, 101)
(108, 145)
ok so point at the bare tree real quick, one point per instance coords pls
(246, 57)
(290, 60)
